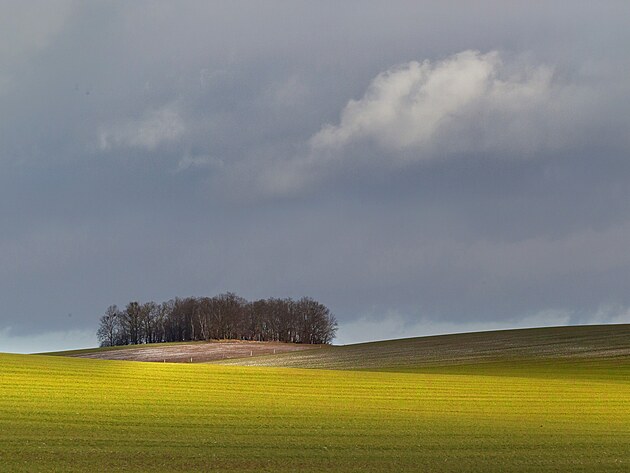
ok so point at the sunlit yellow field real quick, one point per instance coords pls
(63, 414)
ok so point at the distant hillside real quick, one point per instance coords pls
(576, 350)
(593, 351)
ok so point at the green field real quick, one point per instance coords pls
(516, 410)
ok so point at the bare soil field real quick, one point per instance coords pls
(198, 352)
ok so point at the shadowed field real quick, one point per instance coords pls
(597, 350)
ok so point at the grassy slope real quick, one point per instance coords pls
(66, 414)
(579, 351)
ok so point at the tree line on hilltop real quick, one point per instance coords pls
(226, 316)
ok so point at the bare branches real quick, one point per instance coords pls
(226, 316)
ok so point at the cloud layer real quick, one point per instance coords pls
(156, 128)
(455, 168)
(468, 104)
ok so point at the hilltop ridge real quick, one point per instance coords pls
(576, 350)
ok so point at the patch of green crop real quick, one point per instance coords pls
(66, 415)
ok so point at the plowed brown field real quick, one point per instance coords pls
(198, 352)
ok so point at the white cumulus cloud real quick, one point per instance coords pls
(467, 101)
(155, 128)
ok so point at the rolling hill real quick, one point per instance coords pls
(512, 401)
(574, 351)
(594, 350)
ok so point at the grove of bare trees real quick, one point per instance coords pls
(226, 316)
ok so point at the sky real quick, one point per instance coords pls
(418, 167)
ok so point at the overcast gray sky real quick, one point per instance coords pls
(418, 167)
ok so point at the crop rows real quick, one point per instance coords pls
(65, 414)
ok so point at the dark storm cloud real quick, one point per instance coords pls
(417, 167)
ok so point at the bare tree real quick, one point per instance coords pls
(131, 323)
(109, 327)
(148, 322)
(226, 316)
(202, 314)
